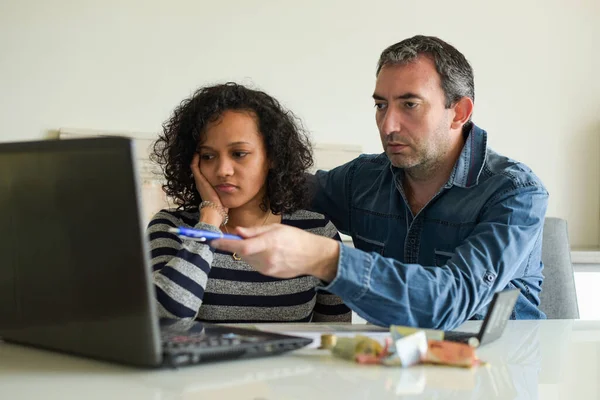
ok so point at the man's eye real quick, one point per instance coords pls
(410, 104)
(380, 106)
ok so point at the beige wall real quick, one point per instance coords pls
(123, 65)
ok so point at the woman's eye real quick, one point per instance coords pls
(206, 157)
(240, 154)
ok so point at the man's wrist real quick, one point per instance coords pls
(327, 266)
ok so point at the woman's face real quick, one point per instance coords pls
(233, 159)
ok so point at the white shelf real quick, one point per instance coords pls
(585, 256)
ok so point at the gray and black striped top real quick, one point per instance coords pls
(193, 280)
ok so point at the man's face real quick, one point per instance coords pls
(413, 122)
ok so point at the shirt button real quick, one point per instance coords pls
(489, 278)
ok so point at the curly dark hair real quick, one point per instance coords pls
(287, 145)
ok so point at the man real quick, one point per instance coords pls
(439, 221)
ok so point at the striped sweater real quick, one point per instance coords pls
(193, 281)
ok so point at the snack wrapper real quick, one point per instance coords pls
(408, 350)
(407, 346)
(360, 348)
(450, 353)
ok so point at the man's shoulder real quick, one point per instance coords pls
(372, 160)
(509, 172)
(364, 170)
(370, 164)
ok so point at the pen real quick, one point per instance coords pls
(201, 235)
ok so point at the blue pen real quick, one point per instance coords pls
(201, 235)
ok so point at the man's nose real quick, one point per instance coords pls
(390, 122)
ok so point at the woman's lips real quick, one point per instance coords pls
(226, 188)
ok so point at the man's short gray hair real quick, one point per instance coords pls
(455, 72)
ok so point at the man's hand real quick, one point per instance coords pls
(284, 252)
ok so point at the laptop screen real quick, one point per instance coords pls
(498, 315)
(74, 273)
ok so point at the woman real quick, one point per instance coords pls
(232, 157)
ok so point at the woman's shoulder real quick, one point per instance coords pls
(310, 221)
(175, 217)
(304, 215)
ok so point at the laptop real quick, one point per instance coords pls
(494, 322)
(75, 273)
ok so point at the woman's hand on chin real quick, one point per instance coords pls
(216, 213)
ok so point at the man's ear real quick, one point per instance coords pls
(463, 109)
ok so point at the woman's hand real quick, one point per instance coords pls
(209, 215)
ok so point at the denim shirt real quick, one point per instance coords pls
(481, 233)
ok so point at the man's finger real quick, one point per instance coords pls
(243, 248)
(232, 246)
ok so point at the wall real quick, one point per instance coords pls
(123, 65)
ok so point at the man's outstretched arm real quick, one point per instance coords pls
(386, 291)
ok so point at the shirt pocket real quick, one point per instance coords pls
(441, 257)
(368, 245)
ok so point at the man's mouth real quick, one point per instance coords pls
(396, 147)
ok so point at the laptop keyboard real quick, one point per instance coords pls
(196, 342)
(201, 340)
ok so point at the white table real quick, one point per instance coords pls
(534, 359)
